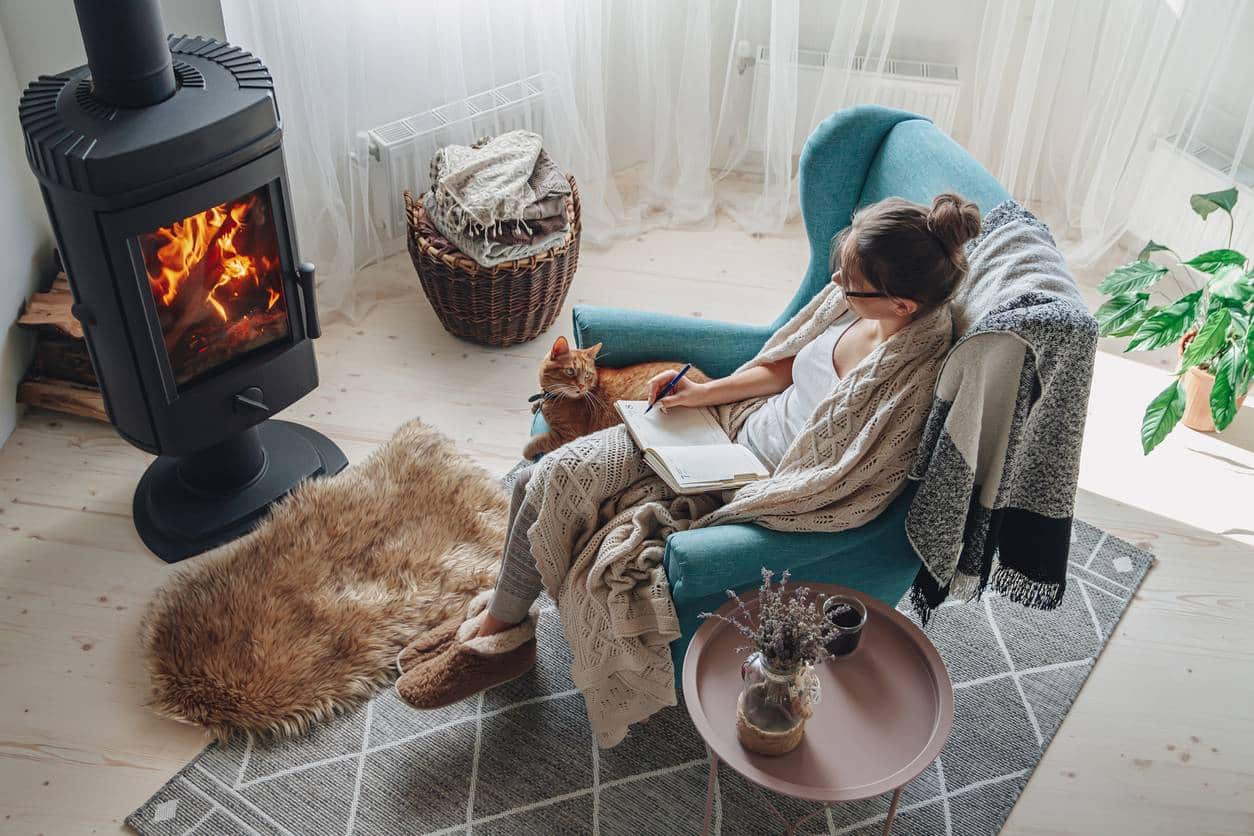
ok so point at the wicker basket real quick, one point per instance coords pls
(510, 303)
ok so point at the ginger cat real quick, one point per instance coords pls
(578, 397)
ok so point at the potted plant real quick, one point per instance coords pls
(1210, 321)
(787, 636)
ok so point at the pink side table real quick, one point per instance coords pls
(886, 711)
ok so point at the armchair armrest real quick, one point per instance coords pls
(875, 557)
(717, 348)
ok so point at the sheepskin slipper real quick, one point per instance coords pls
(436, 640)
(471, 663)
(303, 617)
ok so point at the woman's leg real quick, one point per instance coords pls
(519, 584)
(488, 646)
(517, 587)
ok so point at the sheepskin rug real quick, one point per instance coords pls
(304, 616)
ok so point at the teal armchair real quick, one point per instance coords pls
(855, 157)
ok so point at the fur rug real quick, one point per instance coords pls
(304, 617)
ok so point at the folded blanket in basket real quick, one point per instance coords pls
(491, 192)
(495, 247)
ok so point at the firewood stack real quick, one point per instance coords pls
(61, 377)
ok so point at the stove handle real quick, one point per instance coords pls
(305, 276)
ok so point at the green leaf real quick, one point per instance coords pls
(1117, 311)
(1204, 204)
(1240, 322)
(1241, 369)
(1236, 310)
(1212, 261)
(1209, 340)
(1134, 324)
(1233, 283)
(1152, 247)
(1166, 325)
(1223, 403)
(1161, 416)
(1136, 275)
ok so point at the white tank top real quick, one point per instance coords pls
(770, 430)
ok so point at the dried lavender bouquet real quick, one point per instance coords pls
(790, 629)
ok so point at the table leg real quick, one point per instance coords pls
(795, 827)
(709, 795)
(892, 812)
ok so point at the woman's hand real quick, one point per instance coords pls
(754, 382)
(687, 392)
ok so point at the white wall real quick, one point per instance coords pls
(43, 34)
(35, 38)
(23, 240)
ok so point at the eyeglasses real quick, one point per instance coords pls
(858, 294)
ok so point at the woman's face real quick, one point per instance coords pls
(862, 297)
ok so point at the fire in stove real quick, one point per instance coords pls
(215, 277)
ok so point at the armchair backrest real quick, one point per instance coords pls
(864, 154)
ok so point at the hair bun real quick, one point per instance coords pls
(954, 220)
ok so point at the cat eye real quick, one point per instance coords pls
(570, 372)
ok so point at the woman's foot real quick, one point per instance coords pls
(436, 640)
(471, 663)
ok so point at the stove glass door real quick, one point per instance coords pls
(217, 285)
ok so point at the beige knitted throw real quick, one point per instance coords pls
(603, 516)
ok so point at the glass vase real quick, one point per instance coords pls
(773, 705)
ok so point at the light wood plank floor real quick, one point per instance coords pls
(1161, 739)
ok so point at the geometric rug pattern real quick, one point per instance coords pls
(520, 758)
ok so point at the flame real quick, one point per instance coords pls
(192, 242)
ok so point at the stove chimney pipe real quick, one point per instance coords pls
(127, 51)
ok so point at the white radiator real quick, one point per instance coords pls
(1163, 212)
(398, 154)
(921, 87)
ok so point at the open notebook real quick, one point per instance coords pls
(688, 449)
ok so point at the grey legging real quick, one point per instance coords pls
(519, 583)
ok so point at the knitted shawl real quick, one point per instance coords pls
(602, 517)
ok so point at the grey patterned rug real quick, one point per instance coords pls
(520, 758)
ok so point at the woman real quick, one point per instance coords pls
(834, 404)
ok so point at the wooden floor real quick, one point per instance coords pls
(1160, 741)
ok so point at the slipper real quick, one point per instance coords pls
(436, 640)
(471, 663)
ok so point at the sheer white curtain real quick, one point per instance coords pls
(628, 84)
(708, 102)
(1085, 107)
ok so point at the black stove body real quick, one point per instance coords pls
(161, 166)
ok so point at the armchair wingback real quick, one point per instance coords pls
(856, 156)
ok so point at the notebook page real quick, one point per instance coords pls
(711, 463)
(677, 428)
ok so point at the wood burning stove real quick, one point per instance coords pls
(161, 165)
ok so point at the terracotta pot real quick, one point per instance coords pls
(1197, 385)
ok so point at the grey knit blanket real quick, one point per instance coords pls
(508, 179)
(999, 461)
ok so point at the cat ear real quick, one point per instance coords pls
(560, 347)
(592, 351)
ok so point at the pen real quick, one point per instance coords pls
(668, 387)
